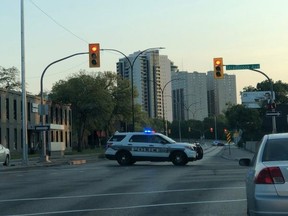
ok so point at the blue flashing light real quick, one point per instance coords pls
(148, 131)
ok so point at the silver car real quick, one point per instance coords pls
(267, 177)
(4, 155)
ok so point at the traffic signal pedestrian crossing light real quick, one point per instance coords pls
(218, 68)
(94, 55)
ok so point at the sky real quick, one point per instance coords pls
(193, 32)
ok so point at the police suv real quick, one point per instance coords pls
(127, 148)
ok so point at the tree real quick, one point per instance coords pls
(9, 78)
(90, 98)
(120, 90)
(280, 89)
(248, 120)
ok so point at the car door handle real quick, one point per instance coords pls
(129, 144)
(151, 145)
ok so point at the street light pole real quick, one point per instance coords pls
(274, 128)
(163, 110)
(132, 81)
(44, 155)
(131, 64)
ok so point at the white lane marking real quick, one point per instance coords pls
(134, 207)
(121, 194)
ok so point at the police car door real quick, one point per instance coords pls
(139, 146)
(159, 146)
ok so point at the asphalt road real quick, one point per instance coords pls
(211, 186)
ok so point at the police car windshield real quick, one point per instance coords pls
(167, 138)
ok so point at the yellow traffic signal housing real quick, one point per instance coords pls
(218, 68)
(94, 55)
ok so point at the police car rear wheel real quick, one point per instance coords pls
(179, 158)
(124, 158)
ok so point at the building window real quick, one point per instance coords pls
(15, 109)
(66, 139)
(65, 116)
(0, 110)
(7, 108)
(70, 117)
(70, 138)
(51, 117)
(61, 136)
(15, 138)
(52, 139)
(29, 111)
(61, 116)
(56, 115)
(8, 138)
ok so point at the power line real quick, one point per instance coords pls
(57, 23)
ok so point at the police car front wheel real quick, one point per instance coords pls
(124, 158)
(179, 158)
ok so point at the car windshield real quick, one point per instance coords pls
(276, 150)
(168, 139)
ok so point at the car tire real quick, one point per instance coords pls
(199, 153)
(179, 158)
(124, 158)
(7, 161)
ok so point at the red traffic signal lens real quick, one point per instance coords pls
(217, 62)
(94, 48)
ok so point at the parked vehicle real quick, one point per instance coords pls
(4, 155)
(217, 143)
(267, 177)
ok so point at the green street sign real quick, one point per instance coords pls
(242, 67)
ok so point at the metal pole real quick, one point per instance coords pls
(44, 155)
(274, 128)
(215, 127)
(132, 80)
(132, 89)
(23, 81)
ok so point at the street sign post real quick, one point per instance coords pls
(242, 67)
(273, 113)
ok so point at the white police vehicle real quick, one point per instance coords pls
(127, 148)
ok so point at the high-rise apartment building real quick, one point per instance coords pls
(152, 79)
(189, 96)
(221, 93)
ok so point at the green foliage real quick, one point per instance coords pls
(97, 101)
(9, 78)
(280, 89)
(248, 120)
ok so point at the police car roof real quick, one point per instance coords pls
(136, 133)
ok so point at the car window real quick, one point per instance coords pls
(157, 139)
(139, 138)
(117, 138)
(276, 150)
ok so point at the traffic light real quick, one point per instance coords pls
(94, 55)
(218, 68)
(211, 130)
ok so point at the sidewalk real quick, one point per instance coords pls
(56, 161)
(235, 153)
